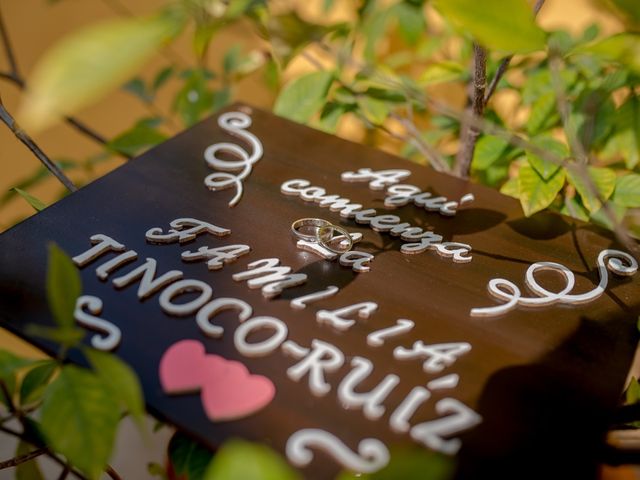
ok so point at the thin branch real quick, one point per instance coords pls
(112, 473)
(504, 64)
(64, 473)
(6, 117)
(469, 134)
(47, 452)
(14, 462)
(415, 137)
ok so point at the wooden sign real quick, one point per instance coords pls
(416, 310)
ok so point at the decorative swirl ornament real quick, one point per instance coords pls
(618, 262)
(236, 124)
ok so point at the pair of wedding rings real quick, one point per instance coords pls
(332, 237)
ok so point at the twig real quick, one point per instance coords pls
(6, 117)
(469, 134)
(430, 153)
(47, 452)
(112, 473)
(14, 462)
(504, 64)
(64, 473)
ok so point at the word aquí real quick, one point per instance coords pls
(399, 195)
(418, 240)
(236, 124)
(315, 362)
(510, 293)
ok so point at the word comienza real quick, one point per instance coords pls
(236, 124)
(418, 240)
(509, 292)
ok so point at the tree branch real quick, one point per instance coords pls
(468, 133)
(504, 64)
(14, 462)
(47, 452)
(112, 473)
(6, 117)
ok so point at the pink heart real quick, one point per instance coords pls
(229, 391)
(182, 367)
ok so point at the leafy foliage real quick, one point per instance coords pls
(230, 463)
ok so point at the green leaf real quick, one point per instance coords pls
(410, 464)
(373, 29)
(331, 115)
(536, 193)
(289, 34)
(632, 393)
(63, 287)
(137, 139)
(625, 139)
(601, 218)
(35, 382)
(441, 72)
(573, 208)
(40, 174)
(87, 64)
(80, 418)
(121, 380)
(545, 168)
(541, 117)
(488, 150)
(604, 180)
(374, 110)
(162, 77)
(66, 336)
(188, 457)
(627, 192)
(138, 88)
(10, 364)
(230, 463)
(496, 24)
(623, 48)
(511, 188)
(411, 23)
(304, 96)
(195, 98)
(36, 203)
(27, 470)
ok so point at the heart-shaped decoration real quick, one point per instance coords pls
(229, 390)
(182, 367)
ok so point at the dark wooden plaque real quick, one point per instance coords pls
(543, 379)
